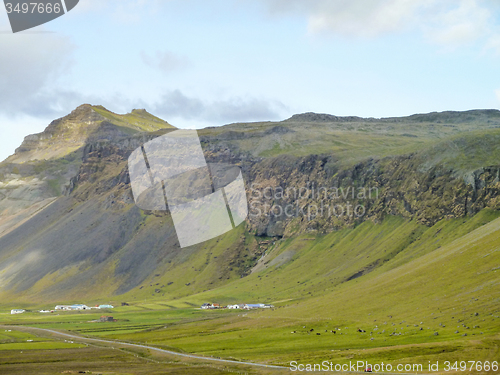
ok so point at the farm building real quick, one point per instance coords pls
(72, 307)
(251, 306)
(106, 307)
(246, 306)
(79, 306)
(17, 311)
(63, 307)
(210, 306)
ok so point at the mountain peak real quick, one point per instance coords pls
(86, 122)
(84, 113)
(84, 106)
(137, 119)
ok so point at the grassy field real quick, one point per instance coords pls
(25, 350)
(227, 334)
(96, 360)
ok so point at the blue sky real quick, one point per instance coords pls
(207, 63)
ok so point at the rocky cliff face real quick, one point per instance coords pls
(289, 195)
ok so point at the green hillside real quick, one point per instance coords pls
(417, 273)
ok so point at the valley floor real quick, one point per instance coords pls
(35, 343)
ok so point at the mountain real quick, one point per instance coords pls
(70, 230)
(42, 167)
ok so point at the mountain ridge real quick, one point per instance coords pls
(92, 231)
(444, 116)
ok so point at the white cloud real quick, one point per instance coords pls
(30, 86)
(165, 61)
(175, 104)
(366, 18)
(30, 65)
(462, 25)
(449, 23)
(351, 17)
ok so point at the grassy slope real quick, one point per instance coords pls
(450, 283)
(438, 292)
(465, 151)
(435, 279)
(297, 268)
(355, 141)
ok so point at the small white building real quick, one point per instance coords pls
(79, 306)
(252, 306)
(106, 307)
(17, 311)
(63, 307)
(233, 306)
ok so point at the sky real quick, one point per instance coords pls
(199, 63)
